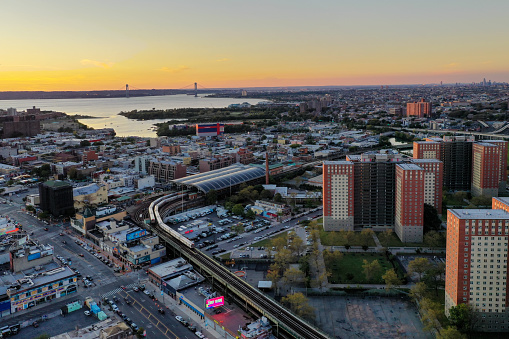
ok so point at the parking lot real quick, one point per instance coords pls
(370, 317)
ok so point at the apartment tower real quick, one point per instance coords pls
(476, 264)
(485, 169)
(409, 202)
(338, 195)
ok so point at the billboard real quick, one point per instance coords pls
(209, 130)
(135, 235)
(34, 256)
(214, 302)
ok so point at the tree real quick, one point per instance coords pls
(292, 275)
(481, 200)
(385, 237)
(238, 228)
(419, 291)
(461, 317)
(299, 305)
(211, 197)
(84, 143)
(431, 314)
(391, 279)
(450, 332)
(419, 266)
(30, 208)
(273, 274)
(72, 173)
(298, 246)
(140, 332)
(371, 269)
(349, 237)
(43, 336)
(265, 194)
(238, 209)
(366, 237)
(250, 214)
(431, 221)
(433, 239)
(278, 198)
(332, 257)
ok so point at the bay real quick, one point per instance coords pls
(105, 110)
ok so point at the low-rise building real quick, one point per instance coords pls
(90, 195)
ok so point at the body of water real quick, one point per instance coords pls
(106, 109)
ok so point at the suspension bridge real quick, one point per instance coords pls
(191, 89)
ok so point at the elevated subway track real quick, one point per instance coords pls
(288, 324)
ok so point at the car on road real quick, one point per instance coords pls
(147, 292)
(136, 289)
(128, 321)
(111, 302)
(46, 229)
(179, 318)
(161, 311)
(115, 308)
(35, 324)
(123, 316)
(191, 328)
(81, 255)
(134, 327)
(87, 313)
(199, 334)
(89, 278)
(61, 234)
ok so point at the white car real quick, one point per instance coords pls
(179, 318)
(147, 292)
(199, 335)
(87, 313)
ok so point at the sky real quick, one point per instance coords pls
(96, 45)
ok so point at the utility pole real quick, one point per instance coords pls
(127, 90)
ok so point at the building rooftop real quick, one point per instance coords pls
(56, 183)
(340, 162)
(171, 268)
(408, 167)
(86, 190)
(479, 214)
(222, 178)
(425, 160)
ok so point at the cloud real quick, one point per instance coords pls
(178, 69)
(87, 62)
(222, 60)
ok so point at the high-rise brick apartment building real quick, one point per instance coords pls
(433, 181)
(409, 202)
(164, 171)
(502, 144)
(374, 187)
(418, 109)
(485, 169)
(338, 195)
(426, 150)
(455, 153)
(476, 264)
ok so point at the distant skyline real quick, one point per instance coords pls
(102, 45)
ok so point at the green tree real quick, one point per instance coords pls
(72, 173)
(366, 237)
(481, 200)
(298, 246)
(250, 214)
(371, 269)
(385, 237)
(84, 143)
(30, 208)
(433, 239)
(431, 220)
(391, 279)
(450, 332)
(461, 317)
(265, 195)
(278, 198)
(419, 291)
(211, 197)
(293, 275)
(419, 266)
(299, 305)
(238, 209)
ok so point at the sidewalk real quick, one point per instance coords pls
(172, 305)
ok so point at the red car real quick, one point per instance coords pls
(46, 229)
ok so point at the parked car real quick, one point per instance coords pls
(87, 313)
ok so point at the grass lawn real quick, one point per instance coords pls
(267, 241)
(329, 239)
(395, 242)
(349, 269)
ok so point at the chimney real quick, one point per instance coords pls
(266, 168)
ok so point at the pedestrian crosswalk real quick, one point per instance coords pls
(115, 291)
